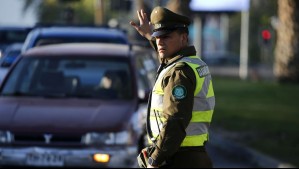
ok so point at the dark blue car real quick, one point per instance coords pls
(72, 34)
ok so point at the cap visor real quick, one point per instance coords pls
(160, 33)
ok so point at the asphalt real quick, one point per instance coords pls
(250, 157)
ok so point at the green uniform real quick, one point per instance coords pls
(182, 101)
(177, 114)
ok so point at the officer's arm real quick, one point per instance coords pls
(144, 27)
(177, 108)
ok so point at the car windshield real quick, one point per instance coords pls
(70, 77)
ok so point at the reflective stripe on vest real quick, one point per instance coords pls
(203, 107)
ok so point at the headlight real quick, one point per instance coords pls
(5, 137)
(120, 138)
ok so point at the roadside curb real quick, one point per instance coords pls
(243, 152)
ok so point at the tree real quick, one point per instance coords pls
(286, 66)
(62, 11)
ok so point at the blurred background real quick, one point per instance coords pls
(251, 47)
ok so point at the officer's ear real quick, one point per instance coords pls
(184, 38)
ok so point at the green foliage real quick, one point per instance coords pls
(83, 11)
(268, 110)
(57, 11)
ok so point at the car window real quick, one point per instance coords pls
(56, 40)
(70, 77)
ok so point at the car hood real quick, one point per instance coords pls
(64, 116)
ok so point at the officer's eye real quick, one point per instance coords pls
(164, 37)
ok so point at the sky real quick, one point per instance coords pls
(11, 14)
(219, 5)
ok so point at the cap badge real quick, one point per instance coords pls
(158, 26)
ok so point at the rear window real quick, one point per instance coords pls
(70, 77)
(56, 40)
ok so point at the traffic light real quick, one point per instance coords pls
(266, 36)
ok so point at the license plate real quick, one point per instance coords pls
(44, 159)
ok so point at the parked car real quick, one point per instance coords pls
(71, 34)
(60, 108)
(9, 56)
(12, 34)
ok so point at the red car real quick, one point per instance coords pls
(75, 105)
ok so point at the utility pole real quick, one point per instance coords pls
(198, 34)
(243, 69)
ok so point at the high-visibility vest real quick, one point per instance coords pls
(203, 107)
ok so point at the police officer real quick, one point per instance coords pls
(182, 100)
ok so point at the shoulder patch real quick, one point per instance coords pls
(179, 92)
(203, 71)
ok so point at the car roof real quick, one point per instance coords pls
(79, 49)
(74, 32)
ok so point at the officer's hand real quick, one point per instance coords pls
(144, 29)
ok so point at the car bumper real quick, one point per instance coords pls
(54, 157)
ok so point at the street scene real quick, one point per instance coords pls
(81, 82)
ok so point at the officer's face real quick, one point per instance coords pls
(169, 44)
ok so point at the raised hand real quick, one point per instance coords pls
(144, 27)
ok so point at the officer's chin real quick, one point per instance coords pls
(161, 54)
